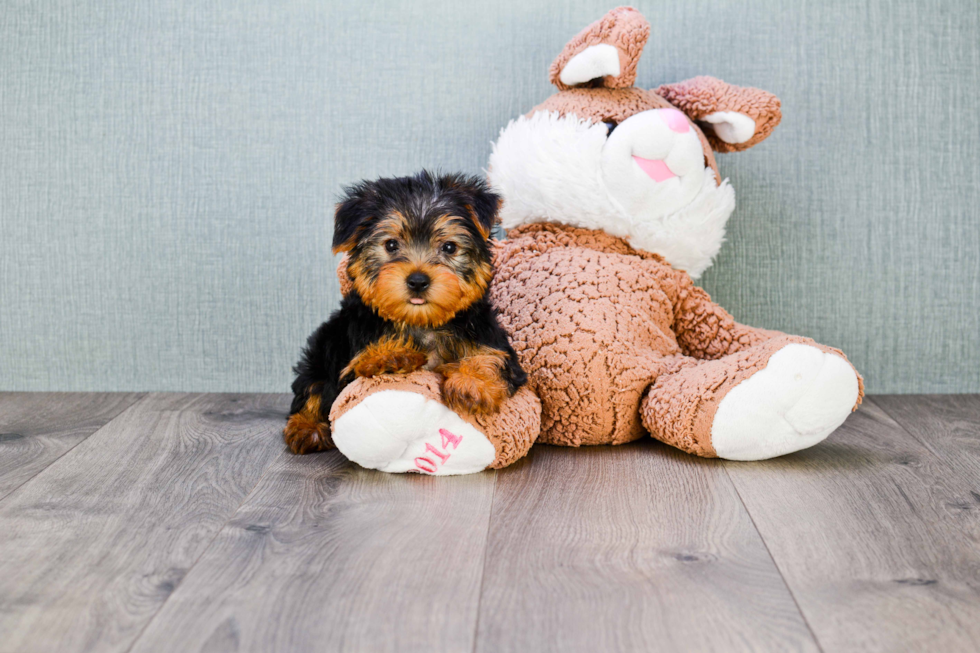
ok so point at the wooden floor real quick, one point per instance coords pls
(168, 522)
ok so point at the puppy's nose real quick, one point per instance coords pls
(417, 281)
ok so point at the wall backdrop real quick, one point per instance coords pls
(168, 170)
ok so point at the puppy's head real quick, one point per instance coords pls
(417, 245)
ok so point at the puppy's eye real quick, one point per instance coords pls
(610, 126)
(391, 246)
(449, 248)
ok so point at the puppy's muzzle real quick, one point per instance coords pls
(417, 282)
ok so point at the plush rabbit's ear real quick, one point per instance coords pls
(733, 118)
(607, 50)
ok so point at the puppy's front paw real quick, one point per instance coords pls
(474, 386)
(305, 435)
(386, 357)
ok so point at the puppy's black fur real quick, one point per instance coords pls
(351, 328)
(455, 325)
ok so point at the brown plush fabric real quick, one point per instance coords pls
(512, 430)
(346, 283)
(596, 323)
(704, 95)
(625, 29)
(602, 104)
(616, 105)
(706, 331)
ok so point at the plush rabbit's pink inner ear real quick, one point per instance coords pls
(608, 50)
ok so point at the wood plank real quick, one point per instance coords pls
(947, 425)
(93, 545)
(327, 556)
(867, 532)
(632, 548)
(37, 428)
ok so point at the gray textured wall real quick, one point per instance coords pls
(168, 169)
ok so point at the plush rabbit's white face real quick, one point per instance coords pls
(644, 179)
(653, 163)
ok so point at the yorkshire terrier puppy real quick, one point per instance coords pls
(420, 263)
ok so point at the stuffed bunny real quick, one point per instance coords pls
(613, 202)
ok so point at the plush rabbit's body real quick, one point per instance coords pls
(613, 200)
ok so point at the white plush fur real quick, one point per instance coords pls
(389, 431)
(548, 168)
(731, 126)
(800, 398)
(594, 61)
(648, 135)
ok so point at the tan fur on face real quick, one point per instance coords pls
(448, 292)
(389, 295)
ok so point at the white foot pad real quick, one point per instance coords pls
(398, 431)
(800, 398)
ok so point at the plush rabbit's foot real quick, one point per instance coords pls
(399, 423)
(801, 396)
(402, 431)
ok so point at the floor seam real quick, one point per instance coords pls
(217, 533)
(128, 408)
(900, 425)
(483, 573)
(938, 456)
(775, 564)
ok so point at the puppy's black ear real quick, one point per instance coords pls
(353, 213)
(486, 203)
(482, 202)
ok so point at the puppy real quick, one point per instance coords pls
(420, 263)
